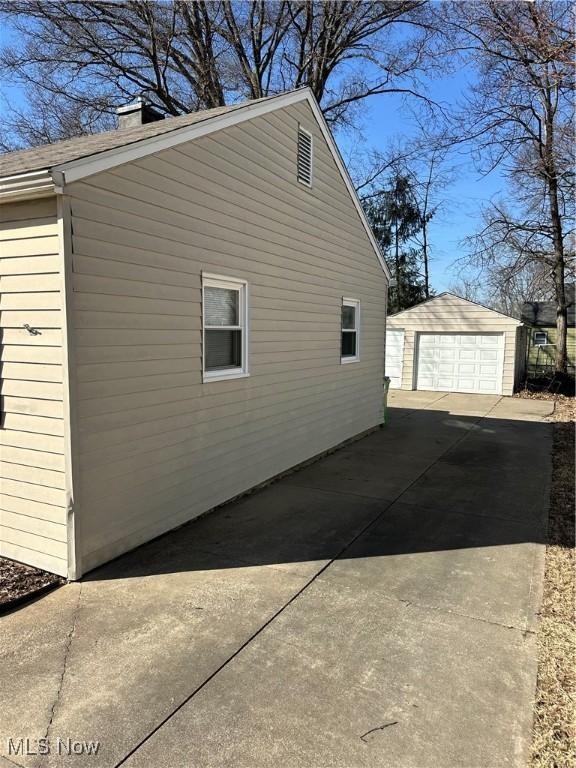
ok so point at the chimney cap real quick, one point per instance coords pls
(138, 112)
(138, 103)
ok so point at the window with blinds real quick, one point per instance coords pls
(224, 314)
(305, 157)
(350, 342)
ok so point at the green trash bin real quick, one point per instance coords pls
(386, 388)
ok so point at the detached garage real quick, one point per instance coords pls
(449, 344)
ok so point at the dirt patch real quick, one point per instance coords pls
(19, 582)
(554, 733)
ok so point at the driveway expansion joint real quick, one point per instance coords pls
(12, 762)
(294, 597)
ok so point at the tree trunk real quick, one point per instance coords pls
(425, 258)
(551, 178)
(560, 364)
(397, 262)
(425, 218)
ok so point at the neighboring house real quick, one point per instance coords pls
(540, 317)
(189, 308)
(450, 344)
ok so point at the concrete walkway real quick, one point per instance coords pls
(376, 608)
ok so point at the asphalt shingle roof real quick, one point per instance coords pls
(50, 155)
(543, 313)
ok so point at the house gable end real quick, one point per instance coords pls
(67, 173)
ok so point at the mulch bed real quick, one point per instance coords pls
(20, 583)
(554, 731)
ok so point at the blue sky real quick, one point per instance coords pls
(385, 119)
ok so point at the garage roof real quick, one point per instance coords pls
(464, 301)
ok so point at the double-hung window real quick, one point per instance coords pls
(350, 345)
(540, 338)
(224, 323)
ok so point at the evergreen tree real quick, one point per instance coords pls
(396, 218)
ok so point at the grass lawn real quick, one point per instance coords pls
(554, 733)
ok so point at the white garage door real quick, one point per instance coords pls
(394, 357)
(460, 362)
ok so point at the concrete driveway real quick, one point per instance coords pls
(376, 608)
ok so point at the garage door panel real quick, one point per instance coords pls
(425, 381)
(429, 355)
(489, 388)
(445, 382)
(454, 362)
(395, 357)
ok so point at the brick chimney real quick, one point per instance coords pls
(137, 113)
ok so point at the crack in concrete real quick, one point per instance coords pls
(67, 648)
(450, 611)
(378, 728)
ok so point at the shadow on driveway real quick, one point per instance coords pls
(374, 609)
(428, 481)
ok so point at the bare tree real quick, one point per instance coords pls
(432, 173)
(503, 287)
(507, 289)
(469, 288)
(256, 33)
(520, 116)
(185, 56)
(327, 35)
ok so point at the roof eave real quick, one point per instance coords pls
(75, 170)
(26, 186)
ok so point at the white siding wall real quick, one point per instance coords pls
(32, 451)
(156, 446)
(449, 314)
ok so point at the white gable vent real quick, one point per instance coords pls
(304, 157)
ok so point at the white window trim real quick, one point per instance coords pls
(540, 343)
(346, 302)
(301, 129)
(237, 284)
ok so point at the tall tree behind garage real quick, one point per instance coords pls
(520, 117)
(397, 218)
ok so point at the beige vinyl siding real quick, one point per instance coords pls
(449, 314)
(32, 449)
(156, 445)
